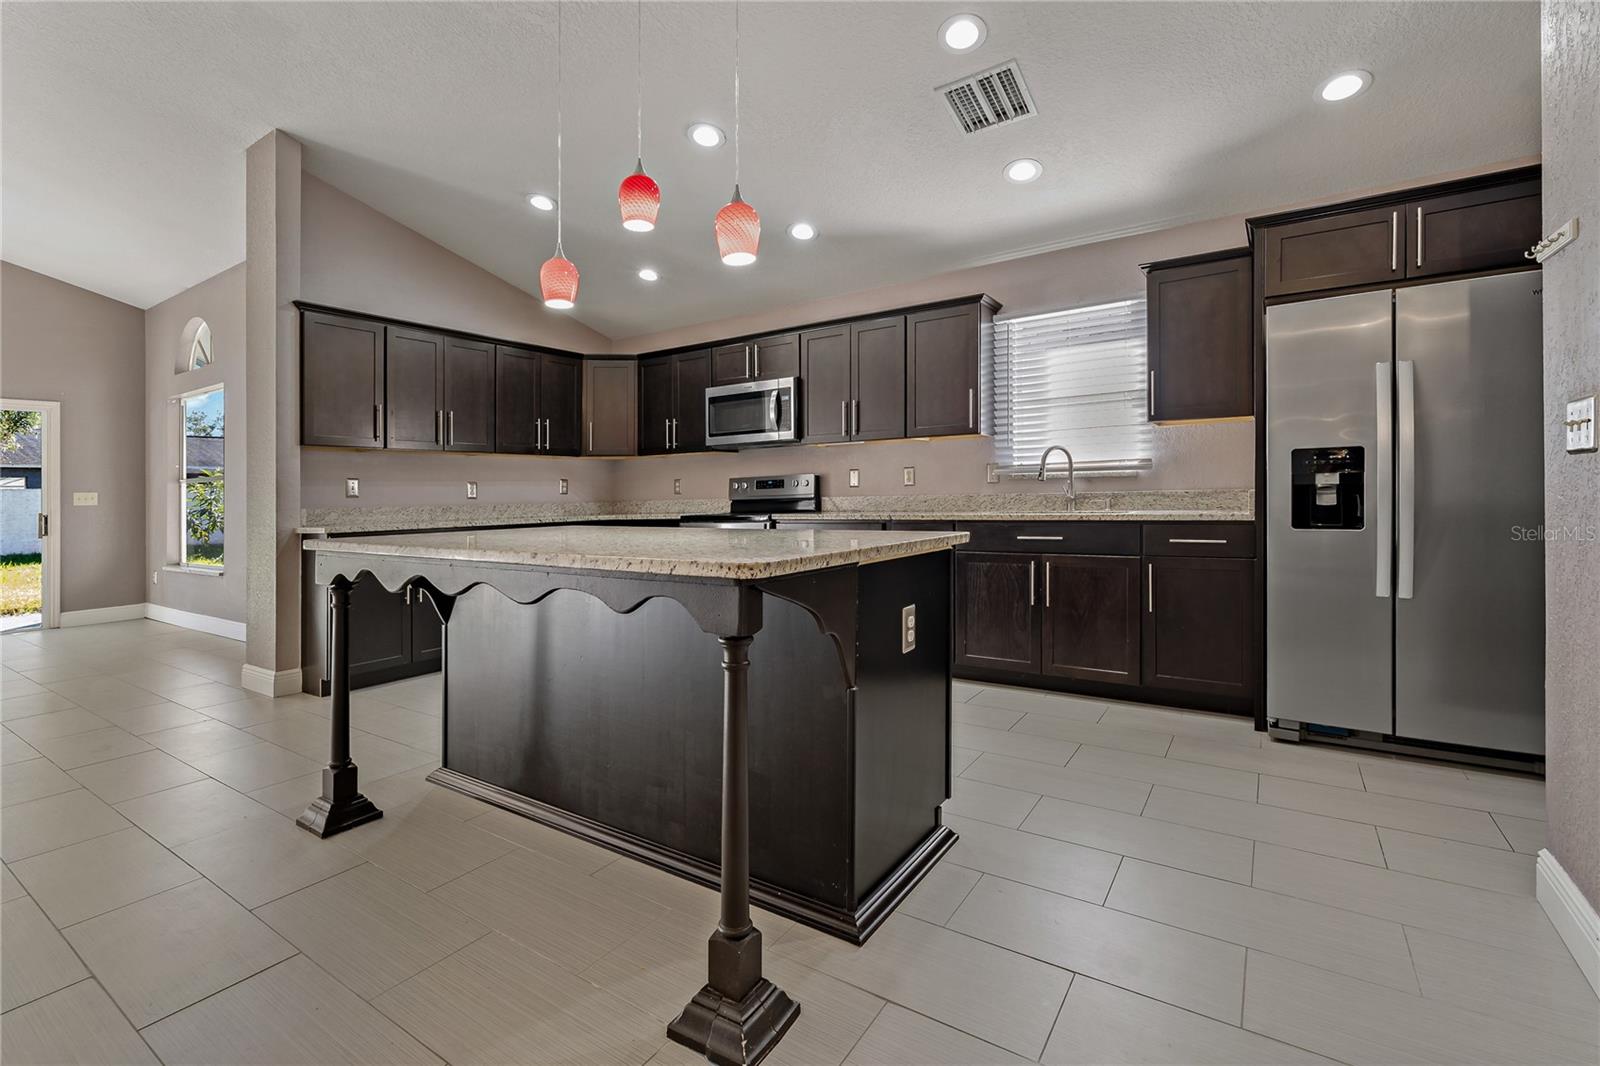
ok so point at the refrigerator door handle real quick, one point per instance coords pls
(1405, 485)
(1383, 512)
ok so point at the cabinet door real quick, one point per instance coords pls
(777, 356)
(341, 381)
(415, 389)
(731, 363)
(942, 353)
(1477, 230)
(561, 402)
(997, 621)
(516, 417)
(380, 628)
(1197, 624)
(1354, 248)
(469, 396)
(693, 375)
(610, 406)
(1091, 618)
(657, 404)
(878, 379)
(427, 632)
(825, 384)
(1200, 342)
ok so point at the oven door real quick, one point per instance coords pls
(753, 412)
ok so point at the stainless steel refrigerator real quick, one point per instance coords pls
(1405, 577)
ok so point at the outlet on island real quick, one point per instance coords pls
(472, 490)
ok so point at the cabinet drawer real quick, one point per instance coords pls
(1216, 540)
(1076, 538)
(837, 525)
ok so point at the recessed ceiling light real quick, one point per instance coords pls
(1344, 86)
(1023, 171)
(541, 202)
(647, 274)
(962, 33)
(802, 231)
(706, 135)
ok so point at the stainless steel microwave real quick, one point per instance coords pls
(753, 412)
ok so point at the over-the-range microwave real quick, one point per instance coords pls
(753, 412)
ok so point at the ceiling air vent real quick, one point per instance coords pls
(990, 98)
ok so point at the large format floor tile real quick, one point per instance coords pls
(1521, 797)
(14, 749)
(1102, 1023)
(1525, 835)
(1146, 838)
(42, 825)
(79, 1024)
(36, 960)
(161, 954)
(1173, 965)
(898, 1037)
(1283, 760)
(1273, 825)
(33, 779)
(988, 803)
(1464, 864)
(292, 1014)
(82, 749)
(254, 766)
(424, 846)
(1016, 745)
(1232, 729)
(1393, 812)
(1062, 782)
(940, 893)
(62, 723)
(998, 996)
(135, 775)
(265, 859)
(1196, 777)
(1104, 736)
(982, 715)
(89, 878)
(178, 815)
(1033, 701)
(1053, 865)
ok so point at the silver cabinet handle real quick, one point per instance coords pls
(1150, 397)
(1150, 588)
(844, 418)
(666, 431)
(1033, 583)
(450, 433)
(1394, 241)
(1036, 536)
(1405, 481)
(1383, 513)
(1197, 540)
(972, 406)
(377, 421)
(758, 359)
(1047, 582)
(855, 417)
(1419, 236)
(747, 361)
(591, 434)
(438, 427)
(538, 435)
(408, 595)
(674, 433)
(547, 434)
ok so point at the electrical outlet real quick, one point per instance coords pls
(155, 577)
(1580, 425)
(991, 473)
(472, 490)
(908, 476)
(908, 628)
(563, 486)
(855, 478)
(85, 499)
(352, 487)
(677, 486)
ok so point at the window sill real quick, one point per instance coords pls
(202, 571)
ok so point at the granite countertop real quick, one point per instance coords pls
(710, 553)
(1022, 516)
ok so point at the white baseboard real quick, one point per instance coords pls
(267, 683)
(1573, 916)
(98, 615)
(204, 623)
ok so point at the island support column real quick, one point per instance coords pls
(341, 805)
(739, 1016)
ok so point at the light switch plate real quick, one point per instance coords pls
(472, 490)
(563, 486)
(909, 475)
(352, 487)
(1580, 425)
(908, 628)
(677, 486)
(85, 499)
(855, 478)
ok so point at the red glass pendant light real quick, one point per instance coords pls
(738, 231)
(640, 199)
(558, 277)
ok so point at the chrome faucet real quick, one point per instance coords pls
(1072, 489)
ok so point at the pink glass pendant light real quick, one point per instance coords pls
(737, 226)
(639, 197)
(558, 277)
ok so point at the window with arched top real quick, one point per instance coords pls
(194, 347)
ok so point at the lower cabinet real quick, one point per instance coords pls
(1197, 625)
(392, 634)
(997, 615)
(1091, 618)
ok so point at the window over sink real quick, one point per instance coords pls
(1077, 377)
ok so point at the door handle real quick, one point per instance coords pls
(666, 431)
(1405, 482)
(772, 415)
(377, 421)
(844, 418)
(1383, 514)
(438, 426)
(1047, 582)
(1033, 583)
(450, 432)
(1150, 397)
(1419, 236)
(972, 406)
(855, 417)
(758, 359)
(1036, 536)
(1394, 241)
(1150, 588)
(674, 433)
(547, 434)
(747, 362)
(591, 434)
(1197, 540)
(408, 595)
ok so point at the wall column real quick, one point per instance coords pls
(272, 415)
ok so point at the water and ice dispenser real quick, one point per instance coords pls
(1327, 488)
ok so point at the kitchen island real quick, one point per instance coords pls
(583, 688)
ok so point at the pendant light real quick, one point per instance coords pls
(738, 226)
(639, 196)
(558, 278)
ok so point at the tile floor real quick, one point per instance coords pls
(1132, 884)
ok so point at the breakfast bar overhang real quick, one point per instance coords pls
(580, 689)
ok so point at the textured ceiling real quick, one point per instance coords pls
(124, 127)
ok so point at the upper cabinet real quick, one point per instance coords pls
(1350, 248)
(1200, 343)
(672, 401)
(538, 396)
(947, 369)
(610, 406)
(415, 389)
(469, 395)
(342, 381)
(764, 358)
(854, 381)
(1476, 230)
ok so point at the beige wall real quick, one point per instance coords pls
(357, 258)
(220, 301)
(60, 342)
(1572, 482)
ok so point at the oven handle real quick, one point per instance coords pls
(772, 416)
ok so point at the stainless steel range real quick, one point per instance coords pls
(754, 502)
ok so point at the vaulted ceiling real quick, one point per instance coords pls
(124, 129)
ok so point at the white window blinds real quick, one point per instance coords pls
(1075, 378)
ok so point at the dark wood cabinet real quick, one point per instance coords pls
(944, 362)
(1350, 248)
(1477, 230)
(730, 363)
(538, 401)
(1091, 618)
(561, 402)
(1201, 346)
(1198, 623)
(693, 374)
(777, 356)
(996, 611)
(672, 401)
(826, 383)
(342, 381)
(878, 378)
(392, 634)
(427, 632)
(610, 406)
(469, 395)
(414, 386)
